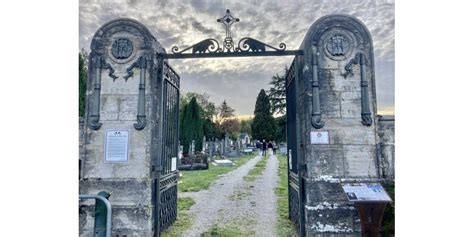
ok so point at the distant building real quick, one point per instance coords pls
(244, 138)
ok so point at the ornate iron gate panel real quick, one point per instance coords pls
(168, 192)
(295, 180)
(293, 188)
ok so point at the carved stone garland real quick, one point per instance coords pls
(361, 59)
(141, 116)
(315, 110)
(98, 63)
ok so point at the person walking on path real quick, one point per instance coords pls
(264, 148)
(259, 147)
(275, 147)
(270, 146)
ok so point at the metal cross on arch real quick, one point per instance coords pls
(228, 20)
(246, 47)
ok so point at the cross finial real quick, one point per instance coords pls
(228, 20)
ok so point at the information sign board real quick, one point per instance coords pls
(319, 137)
(366, 192)
(116, 145)
(173, 164)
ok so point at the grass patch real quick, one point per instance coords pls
(183, 220)
(256, 170)
(220, 231)
(184, 203)
(236, 227)
(284, 226)
(239, 195)
(193, 181)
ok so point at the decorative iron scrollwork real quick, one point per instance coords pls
(205, 46)
(361, 59)
(245, 44)
(248, 44)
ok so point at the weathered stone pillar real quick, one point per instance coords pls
(336, 98)
(121, 121)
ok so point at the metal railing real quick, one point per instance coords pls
(109, 210)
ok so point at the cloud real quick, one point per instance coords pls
(183, 23)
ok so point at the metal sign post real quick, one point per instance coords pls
(370, 199)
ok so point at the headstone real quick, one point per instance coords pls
(204, 144)
(180, 152)
(191, 148)
(283, 150)
(223, 162)
(222, 145)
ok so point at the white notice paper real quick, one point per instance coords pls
(173, 164)
(116, 145)
(320, 137)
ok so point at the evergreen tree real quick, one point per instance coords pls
(263, 125)
(277, 93)
(207, 112)
(280, 135)
(191, 126)
(82, 85)
(210, 129)
(245, 126)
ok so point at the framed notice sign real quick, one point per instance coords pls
(116, 145)
(319, 137)
(366, 192)
(173, 163)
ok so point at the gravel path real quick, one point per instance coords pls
(266, 199)
(233, 203)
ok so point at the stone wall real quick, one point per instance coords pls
(386, 134)
(114, 89)
(333, 48)
(81, 145)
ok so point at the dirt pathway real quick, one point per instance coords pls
(233, 203)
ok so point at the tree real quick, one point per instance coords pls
(263, 125)
(246, 126)
(277, 93)
(191, 126)
(82, 84)
(280, 135)
(210, 129)
(226, 122)
(208, 108)
(225, 112)
(207, 111)
(230, 127)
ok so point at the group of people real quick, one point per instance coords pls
(264, 146)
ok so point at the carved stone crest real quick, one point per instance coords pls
(122, 48)
(338, 45)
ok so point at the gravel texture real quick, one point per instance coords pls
(231, 202)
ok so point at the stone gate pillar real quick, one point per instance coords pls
(336, 99)
(123, 99)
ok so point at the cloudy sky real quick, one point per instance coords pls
(238, 80)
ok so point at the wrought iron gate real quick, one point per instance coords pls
(295, 181)
(168, 152)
